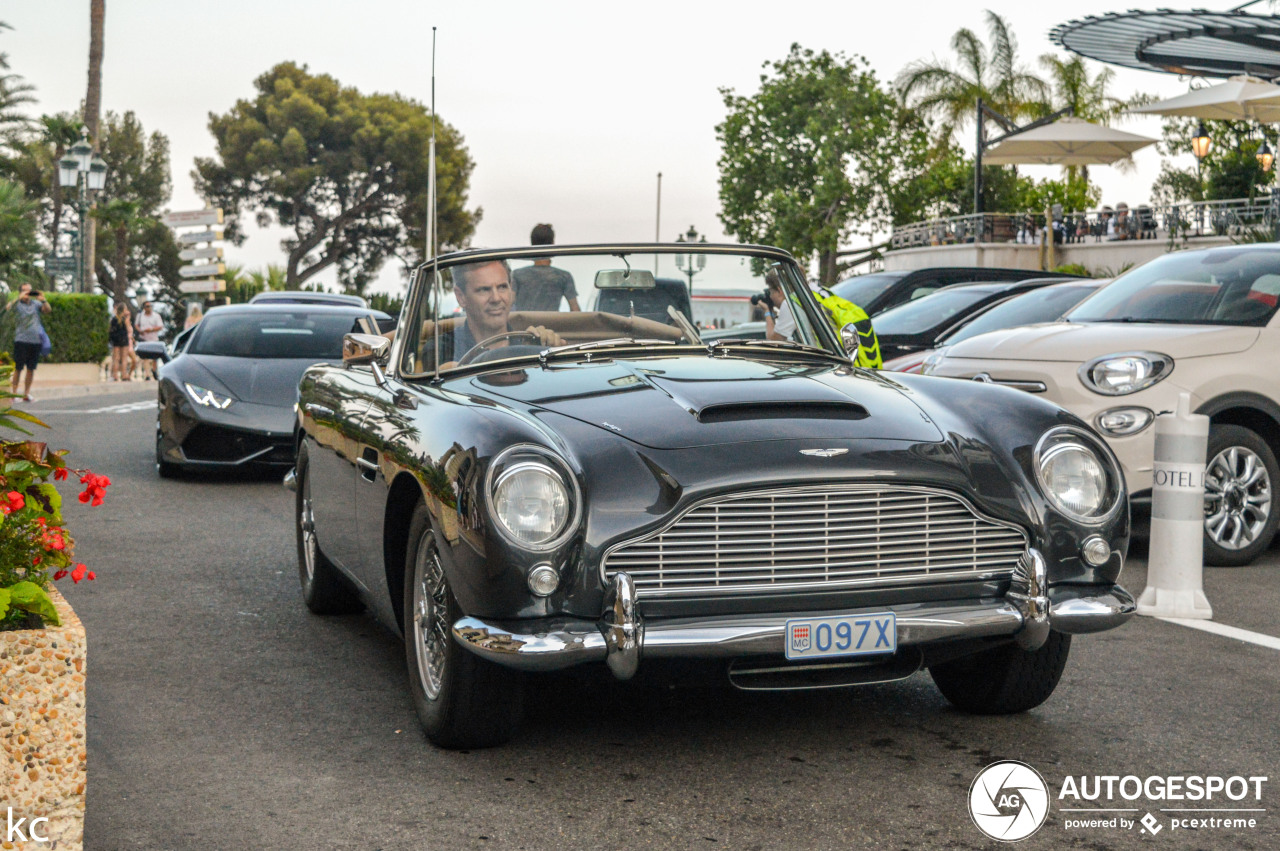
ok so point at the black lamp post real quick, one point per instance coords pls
(79, 162)
(687, 262)
(1201, 145)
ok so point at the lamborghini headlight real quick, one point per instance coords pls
(1077, 475)
(207, 398)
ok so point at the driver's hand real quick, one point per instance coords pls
(545, 335)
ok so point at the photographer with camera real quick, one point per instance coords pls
(779, 324)
(29, 338)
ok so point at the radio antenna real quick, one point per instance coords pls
(431, 213)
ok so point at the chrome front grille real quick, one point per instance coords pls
(817, 538)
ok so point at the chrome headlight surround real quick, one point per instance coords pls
(1122, 373)
(1054, 446)
(523, 460)
(207, 398)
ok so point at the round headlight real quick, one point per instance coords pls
(531, 502)
(1126, 372)
(1077, 476)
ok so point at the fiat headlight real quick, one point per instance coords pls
(1126, 372)
(1077, 475)
(532, 499)
(207, 398)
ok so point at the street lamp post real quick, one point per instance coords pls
(691, 264)
(87, 171)
(1201, 145)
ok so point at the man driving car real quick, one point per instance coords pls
(485, 294)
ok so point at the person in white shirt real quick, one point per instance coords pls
(149, 324)
(785, 325)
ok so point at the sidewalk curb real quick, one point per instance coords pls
(76, 390)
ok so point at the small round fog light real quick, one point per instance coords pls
(1095, 551)
(543, 580)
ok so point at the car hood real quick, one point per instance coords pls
(1076, 342)
(685, 402)
(265, 382)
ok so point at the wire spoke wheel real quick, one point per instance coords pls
(1237, 497)
(307, 528)
(430, 617)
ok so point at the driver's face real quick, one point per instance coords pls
(487, 299)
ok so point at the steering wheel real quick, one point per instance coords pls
(686, 327)
(487, 345)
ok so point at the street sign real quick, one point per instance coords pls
(201, 253)
(192, 218)
(199, 236)
(210, 285)
(202, 270)
(59, 265)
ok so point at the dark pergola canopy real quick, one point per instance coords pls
(1196, 43)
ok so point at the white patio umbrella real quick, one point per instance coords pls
(1238, 99)
(1067, 141)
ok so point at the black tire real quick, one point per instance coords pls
(462, 701)
(165, 469)
(1235, 531)
(324, 589)
(1005, 679)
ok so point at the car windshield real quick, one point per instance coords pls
(865, 289)
(1216, 287)
(520, 304)
(274, 334)
(1043, 305)
(916, 317)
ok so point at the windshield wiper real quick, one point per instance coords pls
(615, 342)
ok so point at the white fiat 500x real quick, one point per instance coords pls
(1202, 322)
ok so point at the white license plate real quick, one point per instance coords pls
(846, 635)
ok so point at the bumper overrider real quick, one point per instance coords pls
(1027, 613)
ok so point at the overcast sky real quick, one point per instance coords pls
(569, 109)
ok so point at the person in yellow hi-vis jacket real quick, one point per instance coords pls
(840, 311)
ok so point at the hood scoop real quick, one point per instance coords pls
(732, 412)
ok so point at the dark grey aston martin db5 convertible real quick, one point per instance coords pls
(518, 492)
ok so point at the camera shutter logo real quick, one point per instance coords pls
(1008, 800)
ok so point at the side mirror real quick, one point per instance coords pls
(849, 339)
(358, 349)
(152, 351)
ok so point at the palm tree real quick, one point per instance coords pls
(121, 220)
(14, 93)
(19, 247)
(1088, 98)
(993, 74)
(93, 107)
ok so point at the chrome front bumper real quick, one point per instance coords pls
(1027, 614)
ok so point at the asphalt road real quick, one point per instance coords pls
(223, 715)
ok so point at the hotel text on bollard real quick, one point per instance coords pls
(1175, 571)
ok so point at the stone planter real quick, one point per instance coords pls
(42, 731)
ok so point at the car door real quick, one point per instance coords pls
(334, 407)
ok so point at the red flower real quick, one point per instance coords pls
(78, 573)
(92, 575)
(59, 574)
(60, 474)
(35, 560)
(16, 500)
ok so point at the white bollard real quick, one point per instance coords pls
(1175, 569)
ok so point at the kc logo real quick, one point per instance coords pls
(13, 828)
(800, 637)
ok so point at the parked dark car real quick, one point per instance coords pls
(1046, 304)
(919, 324)
(651, 303)
(524, 492)
(308, 297)
(227, 399)
(878, 291)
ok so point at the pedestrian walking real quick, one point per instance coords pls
(118, 336)
(542, 286)
(29, 337)
(149, 324)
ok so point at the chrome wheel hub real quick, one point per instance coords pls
(430, 617)
(1237, 497)
(307, 524)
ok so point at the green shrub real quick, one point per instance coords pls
(77, 326)
(1072, 269)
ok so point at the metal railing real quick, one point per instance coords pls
(1173, 223)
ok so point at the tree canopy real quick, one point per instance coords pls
(808, 160)
(347, 172)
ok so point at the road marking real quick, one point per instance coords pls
(1258, 638)
(127, 408)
